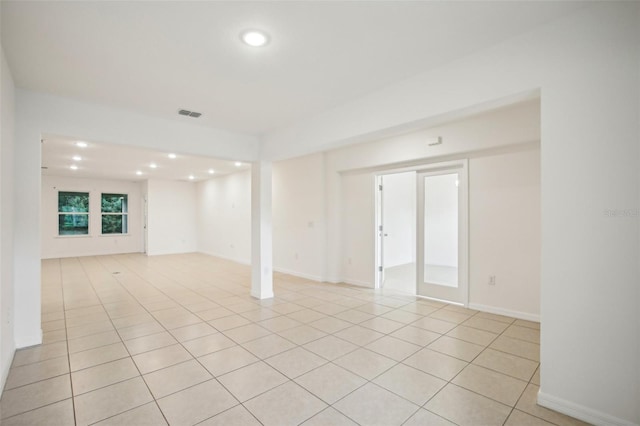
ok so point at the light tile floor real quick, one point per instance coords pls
(136, 340)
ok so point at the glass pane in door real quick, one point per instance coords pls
(441, 230)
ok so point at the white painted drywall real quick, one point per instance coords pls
(586, 67)
(171, 217)
(38, 114)
(100, 123)
(7, 111)
(94, 244)
(504, 233)
(514, 126)
(399, 218)
(358, 233)
(224, 216)
(298, 212)
(299, 216)
(504, 239)
(441, 220)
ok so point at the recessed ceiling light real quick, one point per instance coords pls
(73, 167)
(81, 144)
(153, 165)
(138, 172)
(191, 177)
(172, 156)
(77, 158)
(238, 163)
(211, 171)
(254, 38)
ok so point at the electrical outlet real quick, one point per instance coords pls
(296, 256)
(492, 280)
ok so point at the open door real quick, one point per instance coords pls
(396, 231)
(442, 228)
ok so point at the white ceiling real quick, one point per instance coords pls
(104, 161)
(158, 56)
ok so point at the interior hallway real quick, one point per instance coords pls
(131, 339)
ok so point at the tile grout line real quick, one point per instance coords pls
(198, 361)
(130, 357)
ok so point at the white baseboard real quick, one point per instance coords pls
(581, 412)
(26, 341)
(357, 282)
(5, 370)
(233, 259)
(262, 296)
(299, 274)
(506, 312)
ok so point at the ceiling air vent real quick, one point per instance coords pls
(189, 113)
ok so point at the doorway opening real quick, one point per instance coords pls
(396, 228)
(422, 231)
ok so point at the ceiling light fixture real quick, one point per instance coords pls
(73, 167)
(153, 165)
(172, 156)
(254, 38)
(77, 158)
(81, 144)
(238, 163)
(138, 172)
(191, 177)
(211, 171)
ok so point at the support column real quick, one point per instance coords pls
(261, 231)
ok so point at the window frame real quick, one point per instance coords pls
(87, 213)
(124, 214)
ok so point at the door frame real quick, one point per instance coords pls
(463, 210)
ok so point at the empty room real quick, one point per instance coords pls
(320, 213)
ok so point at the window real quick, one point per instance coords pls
(114, 213)
(73, 213)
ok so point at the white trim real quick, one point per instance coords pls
(299, 274)
(506, 312)
(262, 296)
(581, 412)
(6, 369)
(27, 341)
(233, 259)
(87, 253)
(358, 283)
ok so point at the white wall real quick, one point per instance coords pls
(586, 67)
(224, 216)
(299, 227)
(7, 343)
(352, 191)
(54, 246)
(37, 114)
(399, 218)
(358, 233)
(171, 217)
(504, 233)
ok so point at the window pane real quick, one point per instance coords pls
(114, 224)
(114, 203)
(73, 202)
(73, 224)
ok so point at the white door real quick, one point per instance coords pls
(442, 243)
